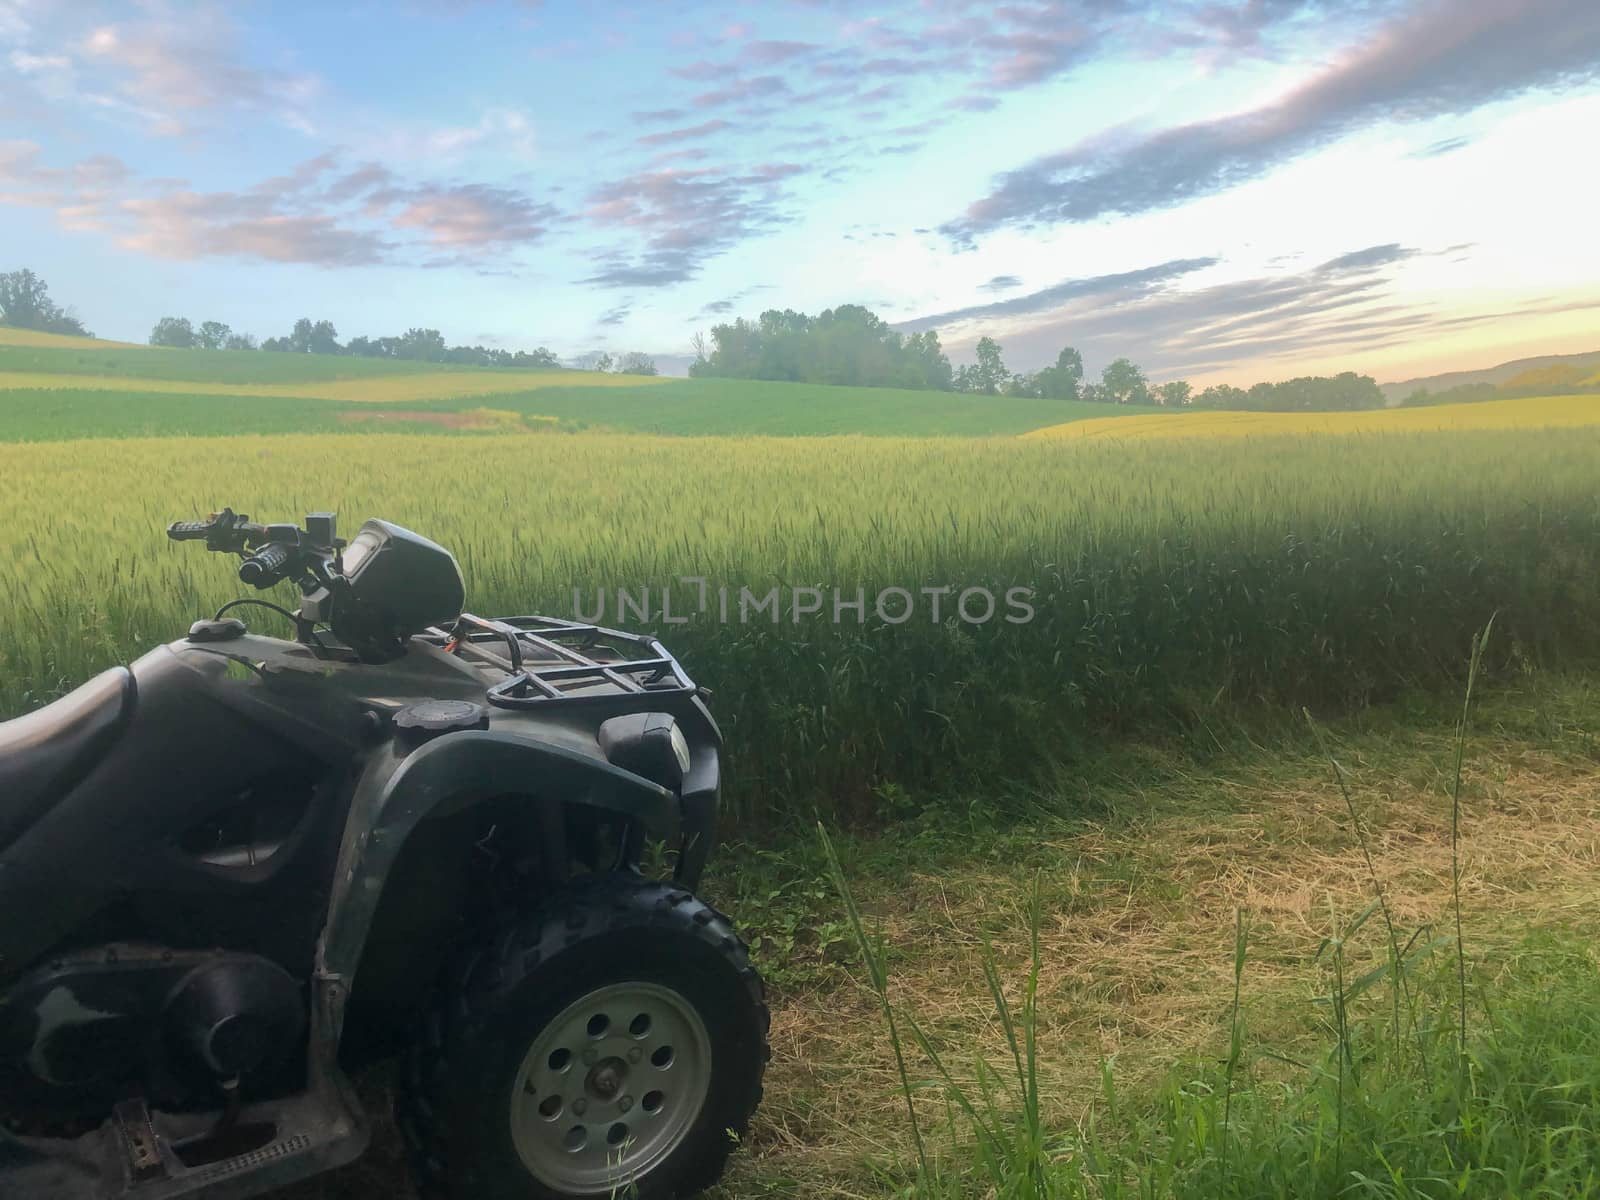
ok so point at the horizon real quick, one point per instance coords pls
(1220, 194)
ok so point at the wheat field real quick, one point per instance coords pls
(1172, 579)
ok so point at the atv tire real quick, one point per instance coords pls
(612, 1042)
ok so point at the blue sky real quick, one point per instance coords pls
(1220, 191)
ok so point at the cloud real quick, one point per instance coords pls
(685, 134)
(1140, 280)
(1444, 58)
(320, 213)
(701, 70)
(1343, 303)
(774, 51)
(1443, 146)
(726, 305)
(617, 315)
(650, 116)
(30, 64)
(683, 217)
(1000, 283)
(188, 68)
(740, 90)
(1046, 46)
(468, 217)
(1372, 256)
(187, 225)
(509, 131)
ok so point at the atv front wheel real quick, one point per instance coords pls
(612, 1043)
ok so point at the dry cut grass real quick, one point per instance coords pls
(1138, 936)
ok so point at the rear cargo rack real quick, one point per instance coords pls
(551, 661)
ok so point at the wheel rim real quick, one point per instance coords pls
(610, 1088)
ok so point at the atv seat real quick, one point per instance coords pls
(44, 754)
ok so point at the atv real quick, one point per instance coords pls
(239, 871)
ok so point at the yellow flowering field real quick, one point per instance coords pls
(1540, 412)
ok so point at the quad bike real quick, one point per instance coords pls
(243, 868)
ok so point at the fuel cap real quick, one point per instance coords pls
(430, 718)
(224, 630)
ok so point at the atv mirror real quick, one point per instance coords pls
(648, 744)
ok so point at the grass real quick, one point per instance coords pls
(114, 362)
(1174, 583)
(1076, 1026)
(33, 408)
(403, 388)
(1120, 911)
(133, 391)
(1532, 412)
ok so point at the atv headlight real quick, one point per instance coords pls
(648, 744)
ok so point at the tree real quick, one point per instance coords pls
(1221, 395)
(212, 335)
(1124, 383)
(173, 331)
(1307, 393)
(422, 345)
(25, 304)
(1064, 380)
(635, 363)
(849, 344)
(240, 341)
(990, 372)
(324, 338)
(1024, 386)
(1174, 394)
(313, 337)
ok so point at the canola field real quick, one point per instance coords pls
(11, 336)
(1542, 412)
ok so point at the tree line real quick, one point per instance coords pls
(848, 345)
(414, 345)
(852, 345)
(25, 304)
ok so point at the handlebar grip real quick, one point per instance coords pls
(266, 566)
(184, 531)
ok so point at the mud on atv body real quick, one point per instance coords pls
(249, 865)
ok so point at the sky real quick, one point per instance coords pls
(1223, 192)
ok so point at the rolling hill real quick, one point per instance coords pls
(50, 392)
(1501, 374)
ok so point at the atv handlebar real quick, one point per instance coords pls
(271, 553)
(267, 565)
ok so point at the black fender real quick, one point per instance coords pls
(400, 790)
